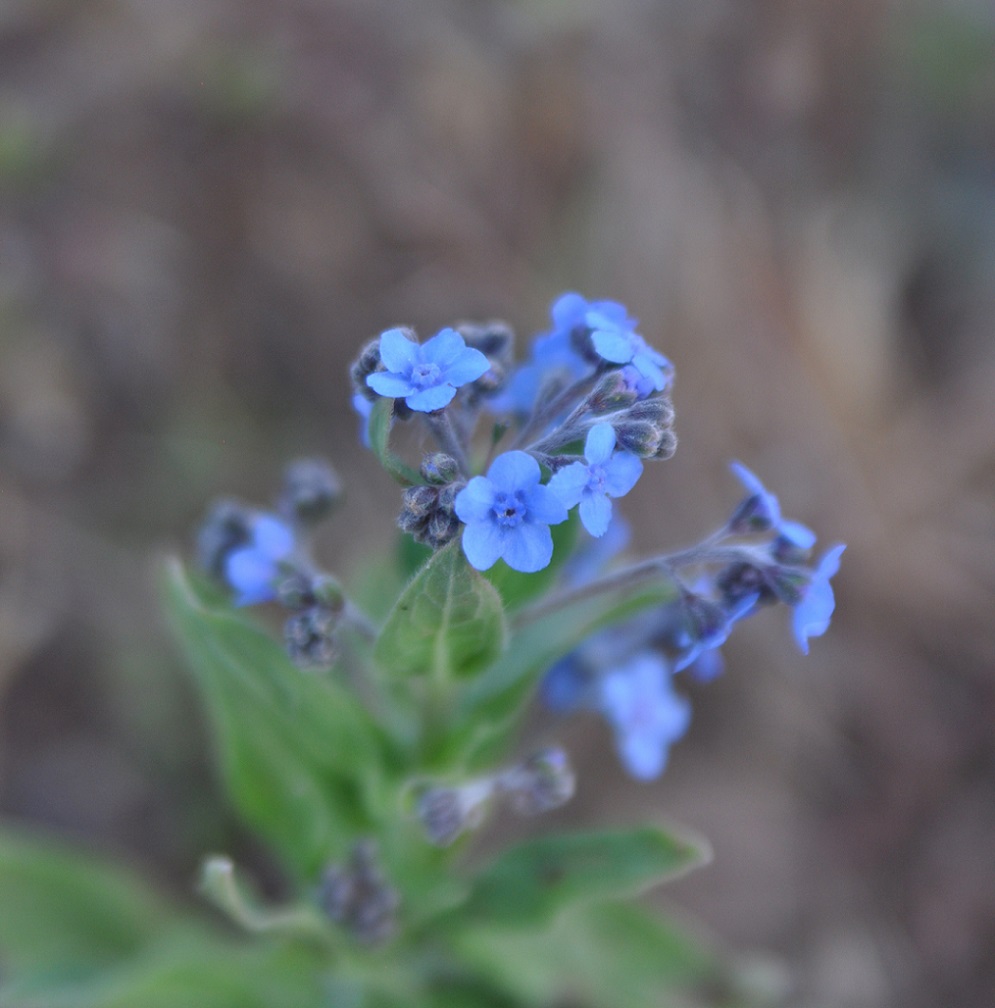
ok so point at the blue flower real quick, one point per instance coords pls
(759, 510)
(706, 627)
(252, 570)
(508, 514)
(593, 485)
(811, 616)
(425, 375)
(647, 715)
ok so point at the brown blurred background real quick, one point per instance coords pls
(206, 207)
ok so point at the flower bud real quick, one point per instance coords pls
(741, 580)
(311, 488)
(358, 897)
(363, 366)
(545, 781)
(667, 446)
(612, 393)
(447, 812)
(309, 637)
(439, 468)
(641, 437)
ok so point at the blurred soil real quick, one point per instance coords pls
(206, 208)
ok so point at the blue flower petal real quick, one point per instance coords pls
(250, 574)
(398, 353)
(545, 506)
(430, 399)
(812, 615)
(596, 513)
(443, 348)
(483, 544)
(800, 536)
(390, 385)
(528, 548)
(650, 370)
(622, 473)
(568, 310)
(569, 483)
(272, 537)
(475, 500)
(514, 470)
(612, 346)
(599, 444)
(467, 366)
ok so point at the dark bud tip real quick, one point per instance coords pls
(439, 468)
(227, 527)
(309, 637)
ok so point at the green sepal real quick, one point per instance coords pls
(381, 421)
(301, 759)
(447, 624)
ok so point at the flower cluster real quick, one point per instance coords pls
(575, 420)
(264, 556)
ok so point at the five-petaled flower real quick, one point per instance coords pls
(251, 571)
(638, 700)
(811, 616)
(508, 513)
(592, 485)
(425, 375)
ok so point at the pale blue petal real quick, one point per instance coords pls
(812, 615)
(750, 481)
(616, 314)
(599, 444)
(389, 384)
(475, 500)
(545, 506)
(797, 534)
(643, 754)
(568, 310)
(650, 369)
(272, 537)
(251, 575)
(612, 346)
(622, 474)
(483, 544)
(569, 483)
(443, 348)
(430, 399)
(397, 352)
(468, 366)
(596, 512)
(514, 470)
(528, 548)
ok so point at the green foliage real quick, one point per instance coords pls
(531, 883)
(447, 624)
(301, 758)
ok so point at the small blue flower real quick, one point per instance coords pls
(811, 616)
(508, 514)
(759, 510)
(707, 626)
(605, 475)
(638, 700)
(252, 570)
(425, 375)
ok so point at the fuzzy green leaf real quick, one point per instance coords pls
(299, 755)
(534, 881)
(448, 623)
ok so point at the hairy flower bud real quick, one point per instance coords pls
(447, 812)
(311, 488)
(363, 366)
(357, 896)
(309, 637)
(545, 781)
(641, 437)
(611, 394)
(439, 468)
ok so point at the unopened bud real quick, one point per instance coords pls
(641, 437)
(309, 637)
(357, 896)
(439, 468)
(311, 488)
(447, 812)
(545, 781)
(363, 366)
(612, 393)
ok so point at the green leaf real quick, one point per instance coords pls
(448, 623)
(602, 955)
(381, 421)
(66, 914)
(299, 755)
(534, 881)
(491, 703)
